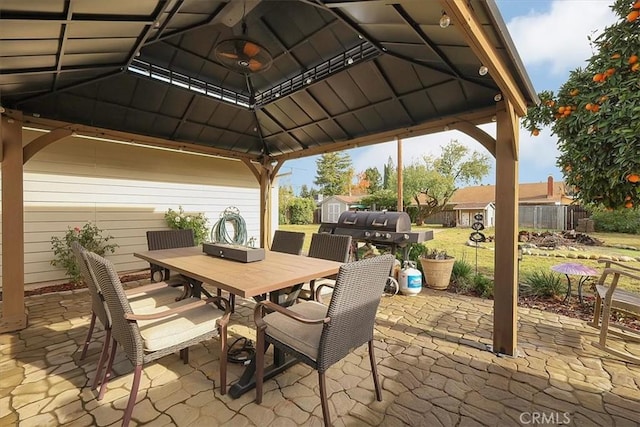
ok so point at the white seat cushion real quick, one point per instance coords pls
(177, 328)
(299, 336)
(155, 298)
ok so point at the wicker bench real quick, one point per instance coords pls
(611, 298)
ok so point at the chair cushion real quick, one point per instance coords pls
(178, 328)
(155, 298)
(299, 336)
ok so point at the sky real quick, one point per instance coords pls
(551, 37)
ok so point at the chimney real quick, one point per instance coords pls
(550, 187)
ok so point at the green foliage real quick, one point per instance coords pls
(308, 193)
(416, 250)
(483, 285)
(90, 237)
(334, 173)
(285, 196)
(179, 220)
(382, 199)
(544, 283)
(618, 221)
(462, 275)
(301, 210)
(373, 177)
(436, 179)
(599, 138)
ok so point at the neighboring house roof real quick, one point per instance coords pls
(537, 193)
(471, 206)
(344, 199)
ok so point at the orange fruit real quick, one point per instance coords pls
(550, 103)
(568, 168)
(635, 67)
(599, 77)
(628, 205)
(633, 59)
(535, 132)
(560, 110)
(626, 199)
(595, 108)
(615, 56)
(588, 107)
(610, 72)
(574, 92)
(603, 98)
(636, 5)
(633, 15)
(633, 178)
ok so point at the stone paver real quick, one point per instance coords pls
(432, 356)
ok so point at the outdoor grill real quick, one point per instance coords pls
(391, 230)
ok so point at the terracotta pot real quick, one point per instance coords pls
(437, 272)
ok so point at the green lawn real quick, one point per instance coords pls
(454, 240)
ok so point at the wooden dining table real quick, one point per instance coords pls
(276, 272)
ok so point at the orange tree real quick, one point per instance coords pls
(596, 116)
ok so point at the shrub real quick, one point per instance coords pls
(462, 275)
(90, 237)
(545, 283)
(301, 210)
(483, 285)
(179, 220)
(618, 221)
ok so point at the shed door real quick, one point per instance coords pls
(334, 212)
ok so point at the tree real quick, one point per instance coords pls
(389, 175)
(381, 199)
(334, 173)
(437, 179)
(596, 117)
(285, 197)
(372, 175)
(308, 193)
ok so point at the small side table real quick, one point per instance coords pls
(575, 269)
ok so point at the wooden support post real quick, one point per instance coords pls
(400, 177)
(505, 302)
(13, 310)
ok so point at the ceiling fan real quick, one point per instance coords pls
(242, 54)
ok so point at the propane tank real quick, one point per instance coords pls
(410, 279)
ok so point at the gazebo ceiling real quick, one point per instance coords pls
(341, 71)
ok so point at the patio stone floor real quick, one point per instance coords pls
(432, 359)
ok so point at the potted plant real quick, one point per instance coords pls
(437, 266)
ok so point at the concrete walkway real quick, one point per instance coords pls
(432, 358)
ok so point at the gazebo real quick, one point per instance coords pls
(263, 82)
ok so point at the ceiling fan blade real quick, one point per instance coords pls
(255, 65)
(251, 49)
(228, 55)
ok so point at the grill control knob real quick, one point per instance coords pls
(388, 235)
(405, 236)
(377, 234)
(367, 234)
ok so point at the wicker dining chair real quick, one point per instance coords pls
(167, 239)
(333, 247)
(154, 295)
(321, 336)
(288, 242)
(149, 334)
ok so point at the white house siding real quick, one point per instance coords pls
(125, 190)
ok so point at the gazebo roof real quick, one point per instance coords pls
(343, 73)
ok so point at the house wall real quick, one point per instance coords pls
(125, 190)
